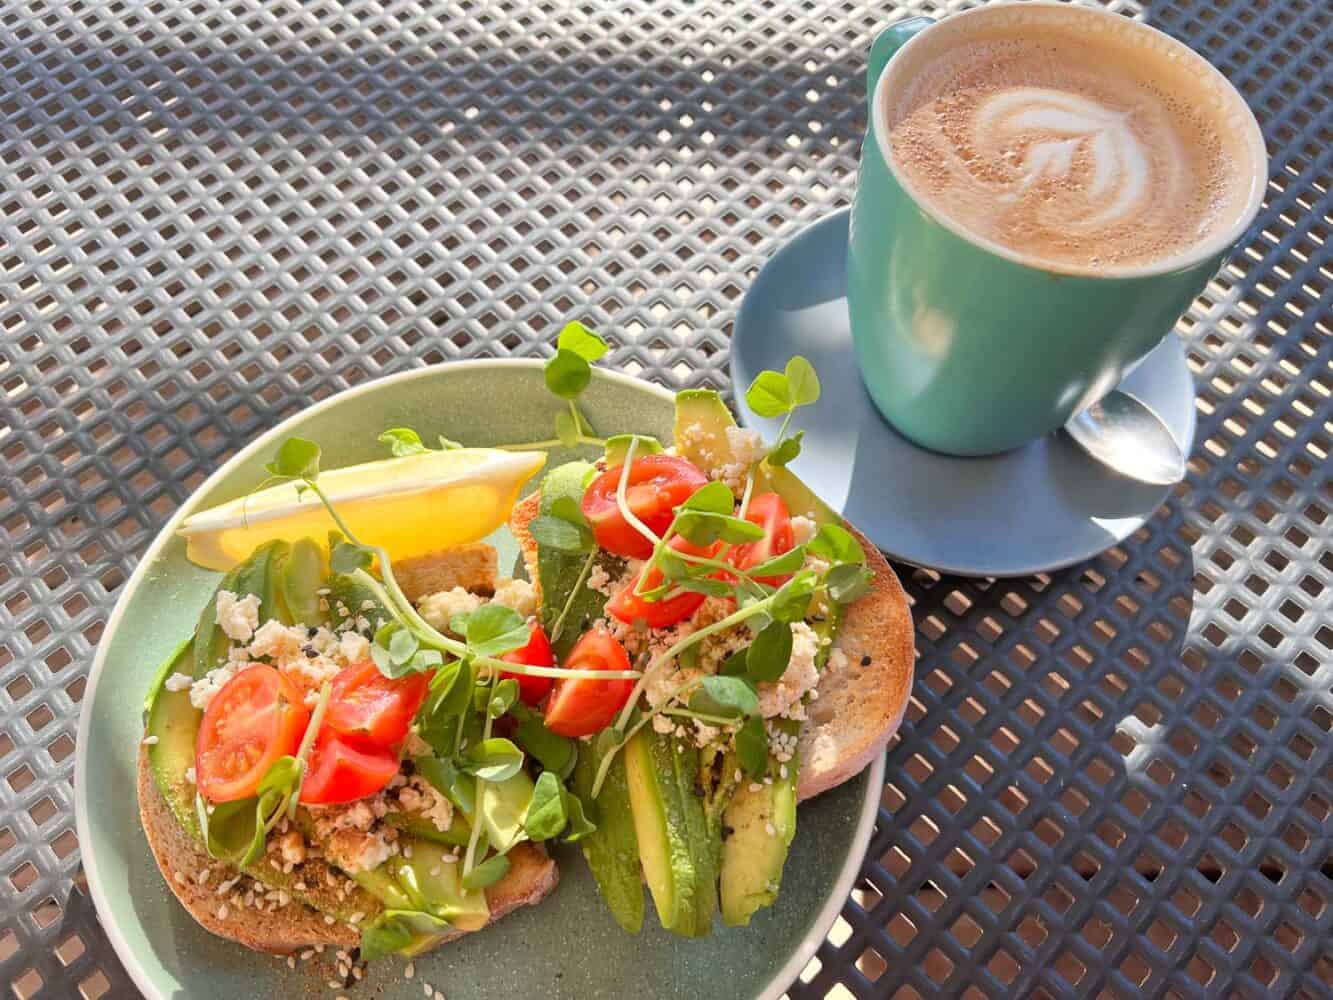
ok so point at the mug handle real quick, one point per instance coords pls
(888, 42)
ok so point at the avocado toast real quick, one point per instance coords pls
(677, 807)
(361, 749)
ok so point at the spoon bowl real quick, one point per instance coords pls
(1125, 434)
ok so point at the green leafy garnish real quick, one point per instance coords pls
(724, 697)
(492, 630)
(767, 657)
(493, 759)
(752, 747)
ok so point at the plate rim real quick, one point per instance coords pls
(776, 986)
(747, 418)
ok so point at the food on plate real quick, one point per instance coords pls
(369, 744)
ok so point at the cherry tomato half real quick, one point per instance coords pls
(339, 771)
(658, 484)
(629, 607)
(256, 718)
(537, 653)
(372, 709)
(581, 706)
(769, 512)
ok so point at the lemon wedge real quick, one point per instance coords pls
(409, 506)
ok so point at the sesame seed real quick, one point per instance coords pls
(769, 829)
(439, 995)
(783, 771)
(149, 740)
(356, 917)
(334, 985)
(755, 786)
(410, 971)
(358, 972)
(307, 954)
(865, 661)
(343, 969)
(222, 912)
(291, 962)
(328, 919)
(426, 989)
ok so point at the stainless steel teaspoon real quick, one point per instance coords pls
(1123, 433)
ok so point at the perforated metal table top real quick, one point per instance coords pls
(1114, 780)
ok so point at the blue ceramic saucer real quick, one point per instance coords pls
(1039, 508)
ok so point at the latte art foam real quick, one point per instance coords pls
(1075, 151)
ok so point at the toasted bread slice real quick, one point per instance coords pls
(472, 567)
(531, 877)
(862, 695)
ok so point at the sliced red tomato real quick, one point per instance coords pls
(340, 771)
(658, 484)
(373, 709)
(256, 718)
(581, 706)
(537, 653)
(629, 607)
(769, 512)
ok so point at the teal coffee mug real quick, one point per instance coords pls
(971, 343)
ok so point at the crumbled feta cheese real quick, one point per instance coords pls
(747, 446)
(516, 594)
(777, 697)
(439, 609)
(189, 774)
(178, 682)
(661, 684)
(353, 647)
(292, 847)
(238, 617)
(802, 529)
(663, 724)
(203, 690)
(599, 580)
(705, 734)
(355, 852)
(420, 796)
(278, 641)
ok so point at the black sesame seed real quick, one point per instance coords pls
(865, 661)
(727, 831)
(310, 652)
(311, 631)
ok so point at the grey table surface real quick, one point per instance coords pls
(1113, 780)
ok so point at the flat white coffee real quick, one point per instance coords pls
(1074, 146)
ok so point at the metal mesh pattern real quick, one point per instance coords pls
(1112, 780)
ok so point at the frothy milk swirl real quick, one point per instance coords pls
(1054, 129)
(1071, 153)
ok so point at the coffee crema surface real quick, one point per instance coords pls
(1071, 149)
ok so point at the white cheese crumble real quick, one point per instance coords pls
(178, 682)
(777, 697)
(663, 724)
(516, 594)
(600, 580)
(747, 447)
(203, 690)
(278, 641)
(439, 609)
(802, 529)
(353, 647)
(237, 617)
(420, 796)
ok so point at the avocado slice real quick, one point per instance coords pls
(674, 846)
(758, 828)
(428, 882)
(612, 850)
(503, 807)
(752, 857)
(700, 433)
(617, 447)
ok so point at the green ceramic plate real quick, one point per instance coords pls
(566, 947)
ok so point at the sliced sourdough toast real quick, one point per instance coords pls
(531, 877)
(862, 695)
